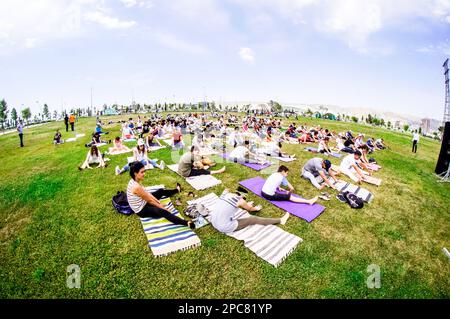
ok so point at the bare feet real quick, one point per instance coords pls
(256, 208)
(284, 218)
(313, 200)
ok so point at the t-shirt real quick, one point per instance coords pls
(273, 182)
(223, 213)
(348, 162)
(415, 137)
(239, 152)
(314, 166)
(176, 137)
(185, 164)
(72, 118)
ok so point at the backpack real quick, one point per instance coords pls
(120, 203)
(353, 200)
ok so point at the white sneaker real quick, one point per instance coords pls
(162, 165)
(117, 170)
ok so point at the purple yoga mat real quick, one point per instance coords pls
(256, 167)
(304, 211)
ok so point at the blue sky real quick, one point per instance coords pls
(385, 55)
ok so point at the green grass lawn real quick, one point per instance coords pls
(52, 216)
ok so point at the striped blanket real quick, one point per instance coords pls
(198, 182)
(270, 242)
(362, 193)
(164, 237)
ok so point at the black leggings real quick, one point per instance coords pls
(156, 212)
(198, 172)
(414, 147)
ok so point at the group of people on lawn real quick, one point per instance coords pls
(251, 143)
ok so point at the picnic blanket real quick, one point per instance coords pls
(314, 150)
(129, 140)
(118, 152)
(256, 167)
(304, 211)
(270, 243)
(164, 237)
(198, 182)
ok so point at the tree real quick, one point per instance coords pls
(406, 127)
(382, 122)
(355, 119)
(55, 114)
(420, 130)
(369, 119)
(14, 116)
(3, 112)
(441, 129)
(26, 114)
(46, 113)
(389, 124)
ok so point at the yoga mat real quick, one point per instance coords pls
(304, 211)
(198, 182)
(80, 135)
(169, 142)
(284, 159)
(155, 148)
(256, 167)
(164, 237)
(373, 166)
(118, 152)
(71, 139)
(362, 193)
(372, 180)
(314, 150)
(270, 242)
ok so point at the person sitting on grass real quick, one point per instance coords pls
(150, 141)
(140, 154)
(225, 209)
(271, 189)
(177, 140)
(350, 167)
(147, 205)
(323, 146)
(58, 138)
(96, 140)
(119, 147)
(318, 167)
(190, 164)
(93, 157)
(242, 154)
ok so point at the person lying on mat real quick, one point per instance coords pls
(190, 164)
(226, 208)
(118, 147)
(271, 189)
(146, 204)
(140, 154)
(350, 167)
(93, 157)
(242, 154)
(318, 167)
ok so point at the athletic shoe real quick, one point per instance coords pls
(117, 170)
(162, 165)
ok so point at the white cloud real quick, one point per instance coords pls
(108, 21)
(205, 13)
(30, 43)
(247, 55)
(173, 42)
(440, 48)
(133, 3)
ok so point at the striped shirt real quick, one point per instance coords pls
(136, 202)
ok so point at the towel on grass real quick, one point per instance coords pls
(372, 180)
(80, 135)
(270, 243)
(198, 182)
(155, 148)
(129, 140)
(284, 159)
(362, 193)
(256, 167)
(164, 237)
(118, 152)
(71, 139)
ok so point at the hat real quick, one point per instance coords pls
(140, 142)
(327, 164)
